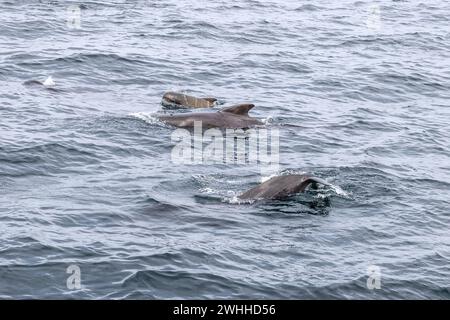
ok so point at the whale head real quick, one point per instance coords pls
(186, 101)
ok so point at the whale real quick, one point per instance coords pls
(181, 100)
(48, 84)
(234, 117)
(281, 187)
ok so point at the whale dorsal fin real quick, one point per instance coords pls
(241, 109)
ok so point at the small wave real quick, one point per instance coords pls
(194, 284)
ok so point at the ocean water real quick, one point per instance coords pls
(358, 90)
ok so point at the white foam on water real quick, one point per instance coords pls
(339, 191)
(146, 116)
(208, 190)
(235, 200)
(267, 120)
(49, 82)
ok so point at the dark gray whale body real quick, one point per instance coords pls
(281, 187)
(182, 100)
(234, 117)
(37, 83)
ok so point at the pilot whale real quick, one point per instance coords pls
(234, 117)
(281, 187)
(49, 84)
(182, 100)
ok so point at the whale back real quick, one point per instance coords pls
(234, 117)
(281, 187)
(239, 109)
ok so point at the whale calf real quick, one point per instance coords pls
(281, 187)
(182, 100)
(234, 117)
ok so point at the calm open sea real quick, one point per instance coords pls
(359, 91)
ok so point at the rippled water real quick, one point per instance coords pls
(359, 91)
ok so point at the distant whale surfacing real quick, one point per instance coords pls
(49, 84)
(234, 117)
(281, 187)
(182, 100)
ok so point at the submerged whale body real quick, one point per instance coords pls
(234, 117)
(281, 187)
(182, 100)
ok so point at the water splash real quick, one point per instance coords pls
(147, 117)
(49, 82)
